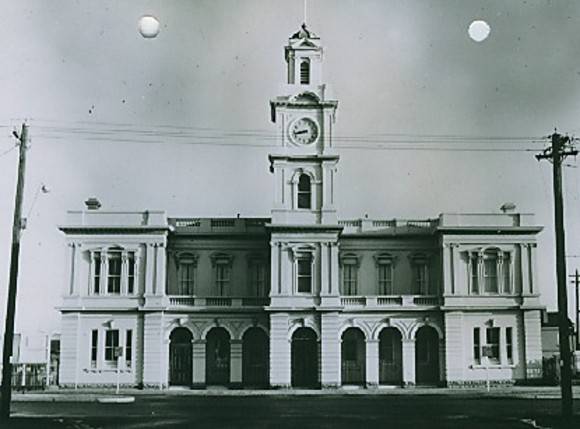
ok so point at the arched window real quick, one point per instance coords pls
(305, 72)
(304, 192)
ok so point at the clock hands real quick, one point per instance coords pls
(300, 132)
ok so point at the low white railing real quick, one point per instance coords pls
(218, 301)
(390, 301)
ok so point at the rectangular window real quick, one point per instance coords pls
(476, 346)
(97, 272)
(385, 279)
(490, 274)
(128, 348)
(305, 275)
(131, 273)
(111, 344)
(349, 279)
(492, 344)
(114, 275)
(186, 278)
(509, 345)
(94, 347)
(421, 278)
(222, 278)
(258, 278)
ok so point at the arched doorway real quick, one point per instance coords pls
(426, 356)
(217, 357)
(304, 358)
(390, 357)
(180, 357)
(255, 357)
(353, 356)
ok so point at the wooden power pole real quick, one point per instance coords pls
(6, 390)
(560, 149)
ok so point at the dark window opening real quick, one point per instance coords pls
(305, 72)
(304, 192)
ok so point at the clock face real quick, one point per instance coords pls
(304, 131)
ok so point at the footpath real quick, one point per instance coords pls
(94, 395)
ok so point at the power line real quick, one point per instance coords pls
(6, 152)
(86, 126)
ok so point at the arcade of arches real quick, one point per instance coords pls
(223, 361)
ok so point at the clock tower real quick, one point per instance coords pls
(304, 231)
(305, 165)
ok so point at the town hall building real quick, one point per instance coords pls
(301, 298)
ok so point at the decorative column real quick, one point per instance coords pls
(124, 272)
(275, 256)
(70, 268)
(280, 363)
(103, 279)
(408, 362)
(448, 288)
(533, 269)
(330, 351)
(198, 364)
(372, 362)
(236, 364)
(149, 269)
(160, 269)
(324, 269)
(334, 270)
(525, 267)
(92, 272)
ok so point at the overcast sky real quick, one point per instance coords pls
(176, 122)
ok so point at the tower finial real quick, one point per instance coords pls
(305, 10)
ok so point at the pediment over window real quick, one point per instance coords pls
(385, 258)
(302, 251)
(186, 258)
(349, 259)
(221, 259)
(419, 258)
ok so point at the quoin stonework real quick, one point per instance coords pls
(299, 298)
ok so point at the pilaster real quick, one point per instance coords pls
(198, 372)
(533, 344)
(372, 363)
(280, 370)
(454, 347)
(236, 363)
(408, 362)
(330, 350)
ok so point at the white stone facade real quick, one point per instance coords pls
(300, 299)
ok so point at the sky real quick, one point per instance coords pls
(181, 122)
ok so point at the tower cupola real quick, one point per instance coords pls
(304, 62)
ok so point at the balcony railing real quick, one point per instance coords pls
(420, 301)
(372, 301)
(219, 225)
(218, 301)
(418, 226)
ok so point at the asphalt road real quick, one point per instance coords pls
(281, 412)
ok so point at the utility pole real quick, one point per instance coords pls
(17, 227)
(560, 149)
(576, 283)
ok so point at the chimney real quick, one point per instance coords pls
(93, 204)
(508, 207)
